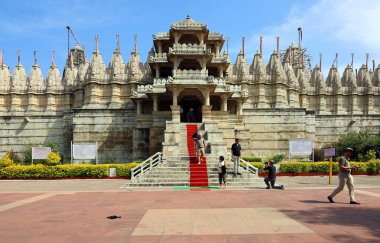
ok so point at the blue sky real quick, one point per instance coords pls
(344, 27)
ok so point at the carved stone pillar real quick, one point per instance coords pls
(176, 116)
(155, 102)
(293, 98)
(322, 104)
(204, 65)
(221, 71)
(281, 101)
(159, 47)
(32, 102)
(224, 103)
(157, 67)
(239, 110)
(262, 103)
(370, 107)
(201, 38)
(115, 96)
(339, 104)
(51, 102)
(354, 104)
(176, 38)
(217, 48)
(138, 107)
(206, 95)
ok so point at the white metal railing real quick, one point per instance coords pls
(247, 166)
(146, 165)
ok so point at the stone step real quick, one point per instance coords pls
(155, 185)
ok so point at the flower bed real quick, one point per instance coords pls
(65, 171)
(320, 168)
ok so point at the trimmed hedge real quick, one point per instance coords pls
(321, 167)
(64, 171)
(252, 159)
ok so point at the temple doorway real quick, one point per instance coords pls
(191, 109)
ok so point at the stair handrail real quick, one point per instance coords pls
(146, 165)
(247, 166)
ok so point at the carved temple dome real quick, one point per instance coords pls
(189, 24)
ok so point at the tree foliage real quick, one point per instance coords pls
(362, 142)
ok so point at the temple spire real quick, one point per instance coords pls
(35, 57)
(261, 45)
(71, 60)
(278, 44)
(53, 59)
(117, 42)
(135, 43)
(352, 60)
(243, 44)
(96, 44)
(18, 58)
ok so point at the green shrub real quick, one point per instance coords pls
(373, 166)
(275, 158)
(64, 171)
(324, 167)
(27, 152)
(6, 160)
(361, 142)
(53, 158)
(252, 159)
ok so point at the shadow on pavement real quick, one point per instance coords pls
(313, 201)
(358, 217)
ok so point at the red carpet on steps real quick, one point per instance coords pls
(198, 173)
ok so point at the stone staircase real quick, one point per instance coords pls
(174, 171)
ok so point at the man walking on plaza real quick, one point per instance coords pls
(235, 149)
(345, 176)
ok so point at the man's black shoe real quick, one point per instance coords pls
(330, 199)
(267, 187)
(354, 202)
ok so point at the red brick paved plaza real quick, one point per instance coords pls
(297, 214)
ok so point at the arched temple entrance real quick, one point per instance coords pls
(191, 102)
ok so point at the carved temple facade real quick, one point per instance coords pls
(133, 110)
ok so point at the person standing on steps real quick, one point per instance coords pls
(182, 114)
(235, 149)
(222, 169)
(195, 138)
(345, 176)
(271, 178)
(190, 115)
(200, 148)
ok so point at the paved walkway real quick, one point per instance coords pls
(77, 210)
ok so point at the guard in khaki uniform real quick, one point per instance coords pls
(345, 176)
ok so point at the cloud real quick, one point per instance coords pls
(36, 19)
(331, 26)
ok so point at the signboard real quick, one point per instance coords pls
(300, 147)
(329, 152)
(84, 151)
(40, 152)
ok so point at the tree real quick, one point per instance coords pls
(362, 142)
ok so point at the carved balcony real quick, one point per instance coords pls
(220, 58)
(189, 49)
(161, 36)
(158, 58)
